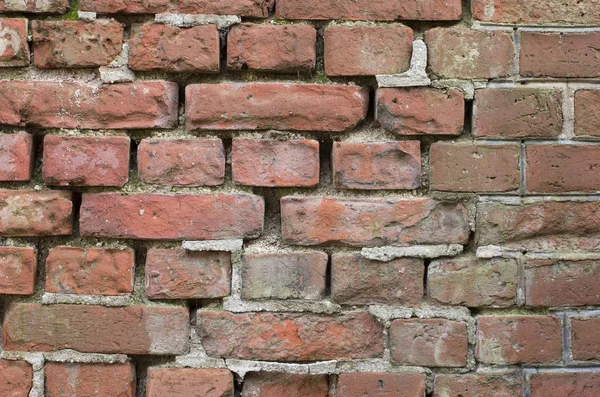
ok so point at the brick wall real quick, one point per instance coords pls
(303, 198)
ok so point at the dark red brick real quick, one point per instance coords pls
(584, 338)
(375, 384)
(89, 380)
(244, 8)
(565, 384)
(485, 384)
(189, 382)
(277, 384)
(587, 113)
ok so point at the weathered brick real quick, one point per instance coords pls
(180, 274)
(467, 167)
(92, 271)
(553, 282)
(272, 163)
(559, 54)
(429, 342)
(45, 104)
(181, 162)
(277, 384)
(367, 50)
(469, 54)
(585, 333)
(189, 382)
(290, 337)
(472, 282)
(281, 275)
(86, 161)
(16, 157)
(17, 270)
(35, 213)
(516, 113)
(375, 166)
(173, 49)
(565, 384)
(35, 6)
(356, 280)
(260, 106)
(372, 221)
(380, 10)
(89, 380)
(542, 226)
(15, 50)
(273, 48)
(373, 384)
(518, 339)
(185, 216)
(420, 111)
(492, 384)
(587, 113)
(583, 12)
(75, 44)
(16, 378)
(244, 8)
(96, 329)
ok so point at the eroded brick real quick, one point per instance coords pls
(89, 380)
(14, 50)
(492, 384)
(584, 338)
(277, 384)
(16, 157)
(17, 270)
(244, 8)
(565, 384)
(35, 6)
(189, 382)
(15, 378)
(587, 113)
(373, 384)
(583, 12)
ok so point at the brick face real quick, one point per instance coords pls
(587, 115)
(246, 8)
(501, 383)
(278, 384)
(584, 336)
(529, 12)
(74, 379)
(17, 53)
(15, 378)
(585, 384)
(189, 382)
(17, 270)
(16, 157)
(376, 383)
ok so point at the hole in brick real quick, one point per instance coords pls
(427, 262)
(468, 117)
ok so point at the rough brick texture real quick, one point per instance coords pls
(275, 48)
(179, 274)
(501, 383)
(561, 384)
(75, 379)
(86, 161)
(529, 12)
(282, 384)
(245, 8)
(15, 50)
(189, 382)
(17, 270)
(35, 6)
(584, 335)
(16, 157)
(358, 384)
(92, 271)
(15, 378)
(376, 166)
(587, 113)
(367, 50)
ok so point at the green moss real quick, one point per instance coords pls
(72, 15)
(322, 78)
(276, 21)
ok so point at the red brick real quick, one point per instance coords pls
(173, 49)
(45, 104)
(374, 384)
(467, 167)
(356, 280)
(553, 282)
(92, 271)
(35, 6)
(472, 282)
(189, 382)
(372, 221)
(543, 226)
(585, 333)
(587, 113)
(75, 44)
(184, 216)
(15, 50)
(179, 274)
(367, 50)
(380, 10)
(16, 157)
(17, 270)
(565, 384)
(262, 106)
(181, 162)
(290, 336)
(469, 54)
(560, 54)
(31, 213)
(492, 384)
(284, 275)
(96, 329)
(274, 48)
(584, 12)
(562, 168)
(89, 380)
(429, 342)
(243, 8)
(375, 166)
(86, 161)
(516, 113)
(420, 111)
(15, 378)
(275, 163)
(277, 384)
(518, 339)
